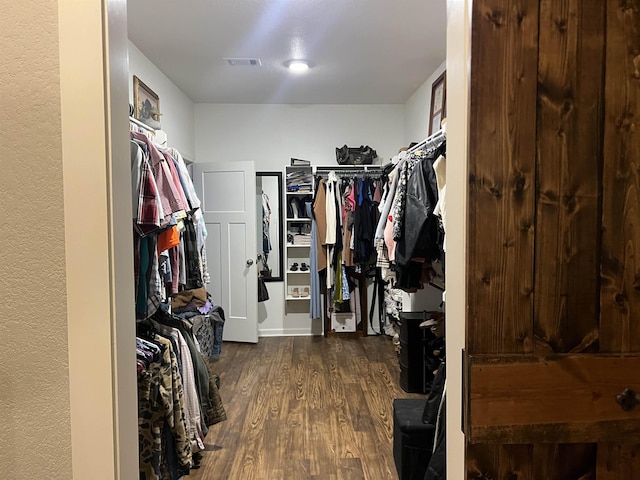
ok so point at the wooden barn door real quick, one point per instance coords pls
(553, 325)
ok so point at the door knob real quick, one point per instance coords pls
(249, 262)
(628, 399)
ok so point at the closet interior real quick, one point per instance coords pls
(362, 252)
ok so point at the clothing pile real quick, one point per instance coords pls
(207, 320)
(178, 398)
(299, 181)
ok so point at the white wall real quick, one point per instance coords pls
(176, 108)
(270, 135)
(417, 108)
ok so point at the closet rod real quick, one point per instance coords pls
(429, 140)
(349, 168)
(348, 171)
(141, 124)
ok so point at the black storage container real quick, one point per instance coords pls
(414, 377)
(412, 439)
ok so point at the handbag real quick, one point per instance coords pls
(362, 155)
(263, 293)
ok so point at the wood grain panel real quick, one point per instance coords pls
(499, 462)
(620, 293)
(620, 265)
(532, 462)
(569, 166)
(501, 175)
(560, 462)
(618, 462)
(522, 399)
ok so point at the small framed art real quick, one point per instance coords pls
(438, 103)
(146, 104)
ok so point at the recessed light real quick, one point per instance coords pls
(297, 66)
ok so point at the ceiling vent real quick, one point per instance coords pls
(243, 62)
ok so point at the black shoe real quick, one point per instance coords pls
(294, 267)
(303, 267)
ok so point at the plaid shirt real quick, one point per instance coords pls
(167, 188)
(148, 214)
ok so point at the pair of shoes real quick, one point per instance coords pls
(294, 267)
(304, 267)
(297, 292)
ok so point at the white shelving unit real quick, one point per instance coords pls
(297, 224)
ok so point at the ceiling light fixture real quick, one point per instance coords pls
(297, 66)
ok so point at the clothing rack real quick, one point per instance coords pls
(136, 125)
(142, 125)
(158, 137)
(347, 169)
(430, 141)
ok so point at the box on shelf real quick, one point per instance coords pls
(343, 322)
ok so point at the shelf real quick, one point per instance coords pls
(298, 229)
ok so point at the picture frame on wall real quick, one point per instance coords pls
(438, 103)
(146, 104)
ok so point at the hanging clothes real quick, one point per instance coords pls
(315, 309)
(266, 224)
(166, 212)
(348, 212)
(416, 230)
(365, 220)
(160, 409)
(331, 203)
(320, 215)
(440, 167)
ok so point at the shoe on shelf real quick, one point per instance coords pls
(293, 209)
(304, 267)
(294, 267)
(305, 292)
(295, 292)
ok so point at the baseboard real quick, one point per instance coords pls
(286, 332)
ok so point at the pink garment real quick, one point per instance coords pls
(388, 238)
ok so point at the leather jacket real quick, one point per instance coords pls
(422, 236)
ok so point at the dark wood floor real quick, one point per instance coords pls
(305, 408)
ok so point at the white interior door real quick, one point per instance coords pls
(227, 193)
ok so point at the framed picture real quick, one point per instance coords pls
(146, 104)
(438, 103)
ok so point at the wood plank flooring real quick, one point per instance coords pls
(305, 408)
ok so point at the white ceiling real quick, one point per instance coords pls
(362, 51)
